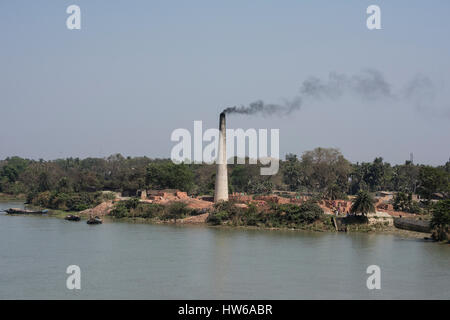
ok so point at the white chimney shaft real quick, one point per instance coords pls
(221, 191)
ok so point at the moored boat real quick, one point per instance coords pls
(72, 217)
(95, 220)
(24, 211)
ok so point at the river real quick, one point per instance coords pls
(121, 260)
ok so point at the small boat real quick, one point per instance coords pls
(24, 211)
(95, 220)
(71, 217)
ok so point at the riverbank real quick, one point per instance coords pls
(9, 197)
(381, 230)
(202, 220)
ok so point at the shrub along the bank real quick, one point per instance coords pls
(72, 201)
(134, 209)
(440, 221)
(277, 216)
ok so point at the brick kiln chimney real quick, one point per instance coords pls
(221, 191)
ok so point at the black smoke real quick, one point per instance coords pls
(368, 84)
(259, 107)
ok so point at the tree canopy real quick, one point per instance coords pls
(363, 203)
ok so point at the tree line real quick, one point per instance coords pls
(324, 172)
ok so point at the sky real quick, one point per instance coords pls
(138, 70)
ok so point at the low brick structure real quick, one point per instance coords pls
(240, 197)
(413, 225)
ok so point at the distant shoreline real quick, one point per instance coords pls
(8, 197)
(59, 214)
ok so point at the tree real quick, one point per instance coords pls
(43, 182)
(292, 174)
(432, 180)
(241, 176)
(404, 202)
(375, 175)
(363, 203)
(405, 177)
(260, 187)
(325, 169)
(440, 220)
(168, 175)
(63, 185)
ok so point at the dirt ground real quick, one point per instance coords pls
(102, 209)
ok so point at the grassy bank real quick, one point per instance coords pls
(12, 197)
(308, 216)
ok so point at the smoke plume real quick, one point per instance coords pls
(259, 107)
(369, 85)
(420, 92)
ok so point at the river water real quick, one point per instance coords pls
(142, 261)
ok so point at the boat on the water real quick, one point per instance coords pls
(95, 220)
(24, 211)
(72, 217)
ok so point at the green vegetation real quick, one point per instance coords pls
(363, 203)
(74, 201)
(168, 175)
(323, 173)
(134, 209)
(440, 220)
(433, 180)
(12, 197)
(306, 216)
(404, 202)
(247, 178)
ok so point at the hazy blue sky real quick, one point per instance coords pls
(137, 70)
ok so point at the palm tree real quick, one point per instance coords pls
(363, 203)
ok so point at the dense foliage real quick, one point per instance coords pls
(363, 203)
(440, 221)
(74, 201)
(404, 202)
(134, 209)
(322, 172)
(277, 216)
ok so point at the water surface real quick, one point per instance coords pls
(144, 261)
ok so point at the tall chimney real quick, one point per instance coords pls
(221, 191)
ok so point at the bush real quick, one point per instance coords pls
(306, 213)
(287, 215)
(42, 199)
(150, 210)
(176, 210)
(440, 221)
(108, 196)
(119, 211)
(217, 218)
(134, 208)
(131, 208)
(251, 216)
(64, 201)
(403, 202)
(131, 203)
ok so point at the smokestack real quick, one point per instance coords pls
(221, 191)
